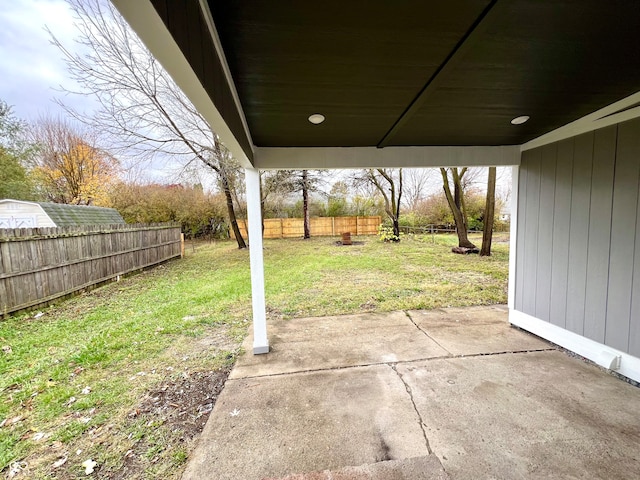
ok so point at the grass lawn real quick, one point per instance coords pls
(125, 375)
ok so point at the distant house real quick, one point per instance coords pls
(21, 214)
(505, 213)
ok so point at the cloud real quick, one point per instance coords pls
(32, 68)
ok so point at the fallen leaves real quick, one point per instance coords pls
(58, 463)
(15, 468)
(89, 466)
(11, 421)
(134, 413)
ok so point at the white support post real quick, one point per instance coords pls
(260, 341)
(513, 234)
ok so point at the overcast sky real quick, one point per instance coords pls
(32, 70)
(30, 67)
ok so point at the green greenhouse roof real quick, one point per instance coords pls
(69, 215)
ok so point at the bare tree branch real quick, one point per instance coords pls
(141, 112)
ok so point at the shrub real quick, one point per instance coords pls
(385, 232)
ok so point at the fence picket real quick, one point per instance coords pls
(319, 226)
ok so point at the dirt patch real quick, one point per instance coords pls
(274, 313)
(368, 306)
(182, 404)
(218, 340)
(463, 278)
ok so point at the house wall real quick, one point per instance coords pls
(17, 214)
(578, 236)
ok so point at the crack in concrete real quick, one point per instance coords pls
(415, 408)
(506, 352)
(425, 332)
(339, 367)
(450, 356)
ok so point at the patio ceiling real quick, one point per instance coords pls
(453, 72)
(407, 73)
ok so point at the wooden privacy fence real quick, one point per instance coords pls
(319, 226)
(38, 265)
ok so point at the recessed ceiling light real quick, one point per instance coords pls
(520, 120)
(316, 118)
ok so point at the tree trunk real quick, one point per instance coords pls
(489, 212)
(392, 199)
(396, 220)
(305, 204)
(396, 229)
(458, 214)
(230, 210)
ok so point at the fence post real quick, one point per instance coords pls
(182, 245)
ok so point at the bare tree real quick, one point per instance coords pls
(337, 200)
(416, 181)
(388, 183)
(474, 177)
(274, 188)
(456, 202)
(141, 109)
(489, 213)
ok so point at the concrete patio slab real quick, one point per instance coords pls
(475, 330)
(375, 397)
(428, 467)
(307, 344)
(279, 425)
(539, 415)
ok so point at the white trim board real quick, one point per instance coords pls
(617, 112)
(513, 235)
(594, 351)
(206, 12)
(392, 157)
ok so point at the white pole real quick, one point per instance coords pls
(260, 341)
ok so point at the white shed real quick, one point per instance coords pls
(22, 214)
